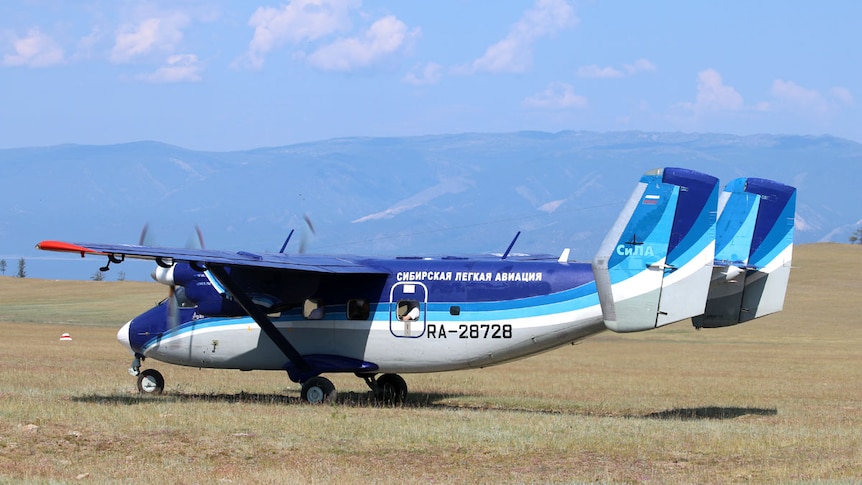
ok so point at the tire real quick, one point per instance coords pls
(318, 390)
(391, 389)
(151, 382)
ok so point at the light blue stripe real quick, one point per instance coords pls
(735, 227)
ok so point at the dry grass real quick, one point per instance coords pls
(94, 303)
(775, 400)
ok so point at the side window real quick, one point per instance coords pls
(313, 309)
(358, 309)
(408, 310)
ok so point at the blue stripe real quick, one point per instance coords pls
(648, 228)
(694, 221)
(735, 225)
(773, 231)
(572, 300)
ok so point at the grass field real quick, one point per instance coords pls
(775, 400)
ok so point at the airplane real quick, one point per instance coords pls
(680, 249)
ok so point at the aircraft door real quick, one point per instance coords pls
(408, 303)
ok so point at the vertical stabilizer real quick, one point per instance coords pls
(655, 264)
(754, 246)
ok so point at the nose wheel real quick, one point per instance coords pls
(151, 382)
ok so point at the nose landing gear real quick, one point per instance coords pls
(151, 381)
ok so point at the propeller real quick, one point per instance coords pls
(196, 241)
(303, 242)
(164, 274)
(142, 240)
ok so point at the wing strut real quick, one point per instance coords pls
(259, 316)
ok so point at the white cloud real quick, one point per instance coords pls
(713, 95)
(552, 206)
(430, 74)
(556, 96)
(87, 44)
(515, 52)
(179, 68)
(34, 50)
(639, 66)
(298, 21)
(789, 91)
(596, 72)
(161, 33)
(790, 95)
(843, 95)
(385, 36)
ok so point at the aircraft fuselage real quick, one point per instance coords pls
(471, 313)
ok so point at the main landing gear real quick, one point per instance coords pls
(318, 390)
(388, 389)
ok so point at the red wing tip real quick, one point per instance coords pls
(64, 246)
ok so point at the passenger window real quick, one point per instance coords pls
(313, 309)
(358, 309)
(408, 310)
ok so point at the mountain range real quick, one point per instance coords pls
(408, 196)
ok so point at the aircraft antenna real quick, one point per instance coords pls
(286, 241)
(509, 249)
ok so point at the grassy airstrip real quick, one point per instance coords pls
(774, 400)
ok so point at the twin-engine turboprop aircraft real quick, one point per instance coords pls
(678, 250)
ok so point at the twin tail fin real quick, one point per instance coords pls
(754, 249)
(654, 266)
(670, 256)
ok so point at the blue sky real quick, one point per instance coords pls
(227, 75)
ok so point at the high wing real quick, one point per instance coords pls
(166, 256)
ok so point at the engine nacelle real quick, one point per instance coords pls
(194, 288)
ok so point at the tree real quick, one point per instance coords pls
(22, 273)
(856, 238)
(121, 276)
(3, 266)
(98, 276)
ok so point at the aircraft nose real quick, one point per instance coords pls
(123, 336)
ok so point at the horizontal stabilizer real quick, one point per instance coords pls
(754, 246)
(654, 266)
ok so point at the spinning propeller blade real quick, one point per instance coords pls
(143, 239)
(303, 242)
(165, 276)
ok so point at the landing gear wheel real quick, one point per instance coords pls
(151, 381)
(318, 390)
(391, 389)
